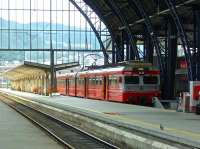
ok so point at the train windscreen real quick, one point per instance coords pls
(131, 79)
(150, 80)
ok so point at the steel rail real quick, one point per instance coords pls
(64, 133)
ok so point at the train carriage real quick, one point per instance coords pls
(140, 86)
(134, 83)
(61, 84)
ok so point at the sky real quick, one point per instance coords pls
(40, 16)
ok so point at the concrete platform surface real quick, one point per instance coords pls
(16, 132)
(180, 125)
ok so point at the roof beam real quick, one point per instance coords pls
(113, 5)
(159, 13)
(140, 9)
(106, 57)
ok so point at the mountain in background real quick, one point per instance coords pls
(75, 39)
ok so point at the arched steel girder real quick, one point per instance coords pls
(183, 36)
(140, 11)
(106, 57)
(103, 19)
(115, 8)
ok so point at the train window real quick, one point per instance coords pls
(100, 81)
(90, 81)
(72, 81)
(110, 81)
(94, 81)
(97, 81)
(131, 79)
(80, 81)
(150, 79)
(62, 82)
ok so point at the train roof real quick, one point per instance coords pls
(134, 66)
(110, 69)
(70, 74)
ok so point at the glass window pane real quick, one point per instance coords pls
(26, 41)
(19, 4)
(26, 19)
(13, 4)
(47, 5)
(150, 79)
(131, 79)
(47, 40)
(19, 40)
(70, 30)
(13, 39)
(3, 4)
(4, 41)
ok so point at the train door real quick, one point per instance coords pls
(85, 87)
(105, 86)
(75, 85)
(67, 87)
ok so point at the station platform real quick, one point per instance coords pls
(16, 132)
(169, 125)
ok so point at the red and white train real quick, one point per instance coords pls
(134, 83)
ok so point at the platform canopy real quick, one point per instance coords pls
(30, 69)
(23, 71)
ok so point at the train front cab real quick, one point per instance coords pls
(139, 89)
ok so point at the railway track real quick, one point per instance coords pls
(67, 135)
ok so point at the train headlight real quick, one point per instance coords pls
(141, 72)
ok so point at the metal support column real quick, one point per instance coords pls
(106, 56)
(127, 48)
(113, 53)
(122, 45)
(169, 83)
(183, 36)
(122, 17)
(148, 48)
(52, 71)
(197, 43)
(132, 49)
(118, 52)
(154, 38)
